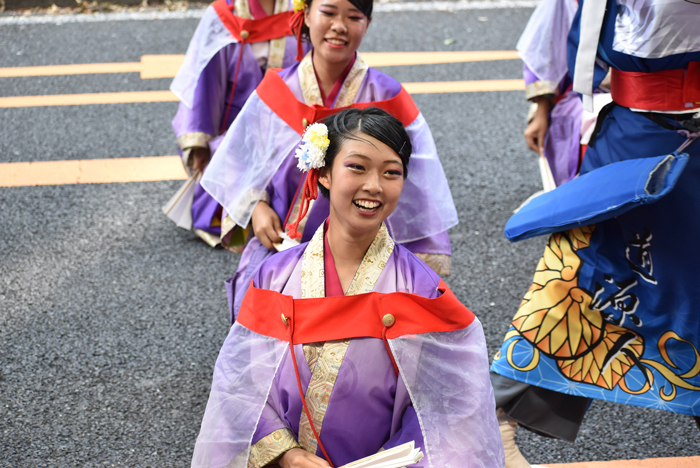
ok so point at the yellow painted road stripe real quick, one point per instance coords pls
(91, 171)
(167, 96)
(391, 59)
(166, 66)
(464, 86)
(676, 462)
(83, 99)
(78, 69)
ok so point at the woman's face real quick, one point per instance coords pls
(365, 184)
(336, 29)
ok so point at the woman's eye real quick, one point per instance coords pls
(357, 18)
(356, 167)
(327, 13)
(394, 173)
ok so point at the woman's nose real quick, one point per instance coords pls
(339, 25)
(373, 184)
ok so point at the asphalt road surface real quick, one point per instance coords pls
(111, 317)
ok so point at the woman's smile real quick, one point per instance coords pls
(336, 43)
(367, 207)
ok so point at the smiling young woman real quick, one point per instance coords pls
(336, 29)
(366, 330)
(253, 173)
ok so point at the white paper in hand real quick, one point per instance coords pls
(179, 207)
(287, 242)
(397, 457)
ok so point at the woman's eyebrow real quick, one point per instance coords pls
(351, 9)
(362, 156)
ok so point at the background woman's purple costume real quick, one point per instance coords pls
(206, 96)
(282, 188)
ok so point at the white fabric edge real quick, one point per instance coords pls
(206, 42)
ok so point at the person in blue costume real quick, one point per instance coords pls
(612, 312)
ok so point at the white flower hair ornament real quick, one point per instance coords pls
(312, 150)
(311, 156)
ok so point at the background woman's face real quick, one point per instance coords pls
(365, 183)
(336, 29)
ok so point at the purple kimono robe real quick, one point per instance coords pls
(207, 106)
(256, 160)
(442, 399)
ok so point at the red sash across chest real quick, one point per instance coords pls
(252, 30)
(361, 315)
(276, 94)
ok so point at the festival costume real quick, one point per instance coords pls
(543, 49)
(612, 312)
(231, 49)
(441, 397)
(255, 162)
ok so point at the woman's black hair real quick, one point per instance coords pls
(365, 6)
(372, 121)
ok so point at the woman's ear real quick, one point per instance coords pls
(307, 9)
(324, 177)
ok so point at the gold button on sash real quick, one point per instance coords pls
(244, 34)
(284, 320)
(388, 320)
(304, 122)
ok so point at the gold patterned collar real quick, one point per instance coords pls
(313, 284)
(348, 92)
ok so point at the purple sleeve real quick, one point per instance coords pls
(409, 431)
(205, 114)
(528, 76)
(437, 244)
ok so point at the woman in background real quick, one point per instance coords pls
(253, 173)
(235, 43)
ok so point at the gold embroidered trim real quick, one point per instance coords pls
(346, 96)
(439, 263)
(194, 139)
(308, 83)
(313, 283)
(318, 394)
(211, 240)
(271, 447)
(325, 364)
(351, 85)
(538, 88)
(242, 9)
(278, 46)
(312, 351)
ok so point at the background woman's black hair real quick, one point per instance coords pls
(365, 6)
(372, 121)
